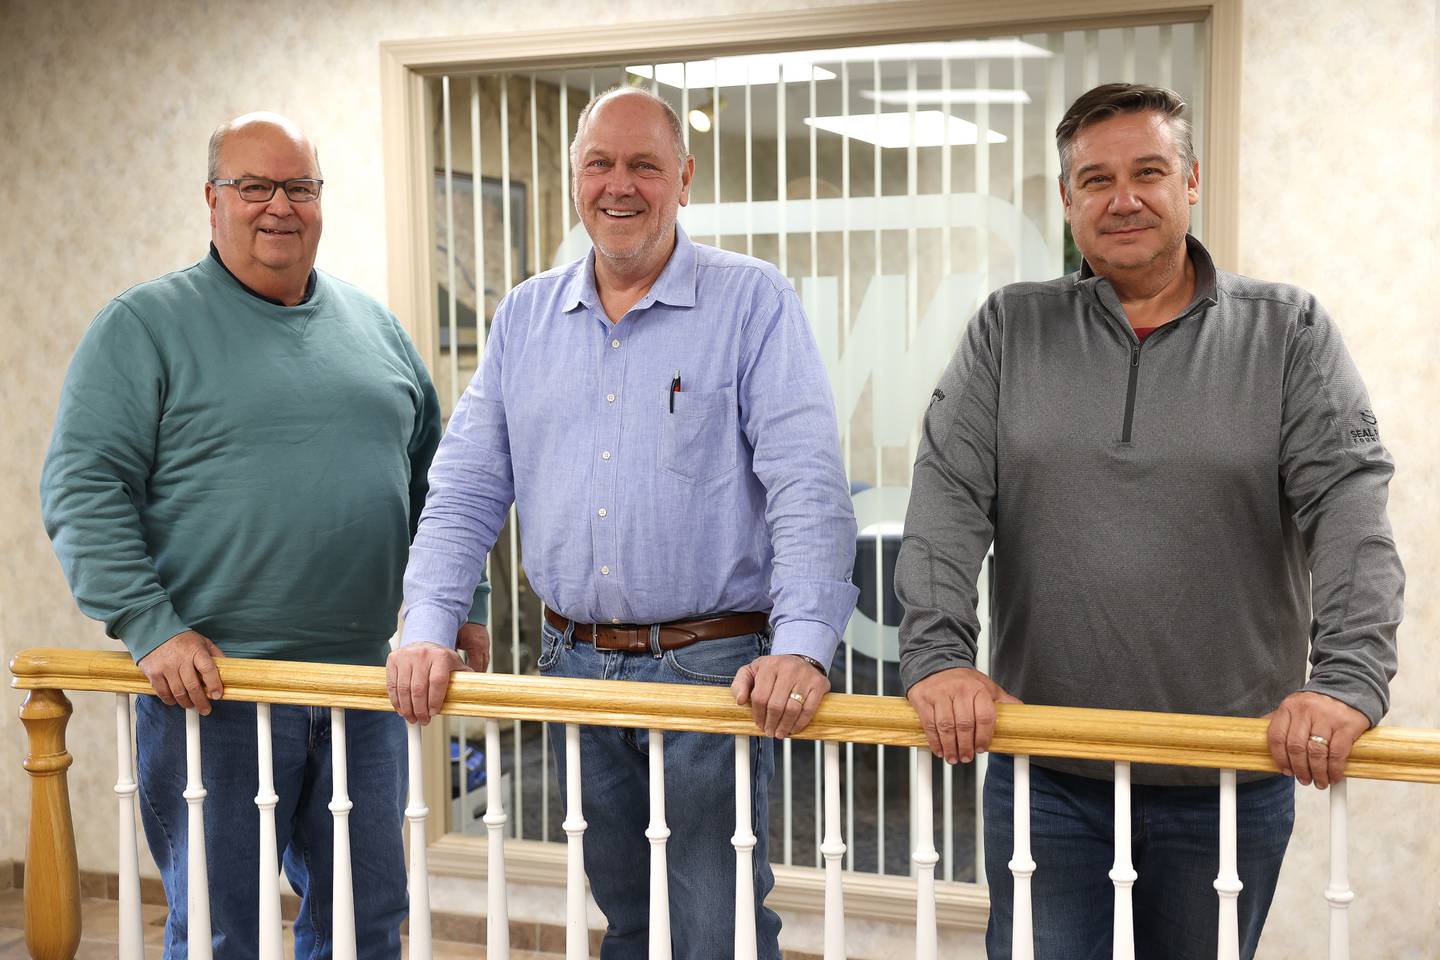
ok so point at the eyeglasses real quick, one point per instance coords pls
(260, 190)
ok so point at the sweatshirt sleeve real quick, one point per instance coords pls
(950, 521)
(1336, 473)
(97, 474)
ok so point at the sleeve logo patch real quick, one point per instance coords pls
(1368, 434)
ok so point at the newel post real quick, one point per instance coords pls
(52, 875)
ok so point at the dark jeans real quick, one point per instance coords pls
(1175, 847)
(699, 805)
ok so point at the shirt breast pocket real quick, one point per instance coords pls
(697, 440)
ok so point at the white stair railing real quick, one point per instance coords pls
(197, 896)
(497, 920)
(1123, 872)
(577, 933)
(1227, 883)
(132, 935)
(266, 800)
(1338, 892)
(833, 849)
(744, 843)
(343, 891)
(1022, 867)
(658, 833)
(925, 858)
(415, 813)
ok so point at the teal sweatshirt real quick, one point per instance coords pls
(251, 471)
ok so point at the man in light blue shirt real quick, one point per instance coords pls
(659, 414)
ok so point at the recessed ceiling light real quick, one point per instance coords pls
(700, 120)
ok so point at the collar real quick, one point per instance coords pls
(675, 285)
(1206, 285)
(309, 283)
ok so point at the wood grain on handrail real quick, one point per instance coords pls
(1385, 753)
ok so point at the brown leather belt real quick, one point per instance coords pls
(635, 638)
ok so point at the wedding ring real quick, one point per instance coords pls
(1319, 739)
(798, 697)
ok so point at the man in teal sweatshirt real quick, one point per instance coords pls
(238, 464)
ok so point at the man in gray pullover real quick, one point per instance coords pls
(1179, 469)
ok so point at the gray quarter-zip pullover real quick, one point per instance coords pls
(1166, 516)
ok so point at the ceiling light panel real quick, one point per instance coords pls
(923, 128)
(732, 72)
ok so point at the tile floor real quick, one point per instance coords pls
(100, 925)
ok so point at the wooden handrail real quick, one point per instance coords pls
(1385, 753)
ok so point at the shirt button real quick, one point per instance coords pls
(605, 455)
(614, 619)
(615, 344)
(610, 397)
(605, 571)
(601, 511)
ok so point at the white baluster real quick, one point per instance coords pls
(415, 812)
(1123, 872)
(744, 843)
(577, 934)
(833, 850)
(658, 833)
(925, 858)
(1338, 893)
(197, 895)
(497, 921)
(1022, 867)
(342, 892)
(265, 800)
(1227, 883)
(132, 932)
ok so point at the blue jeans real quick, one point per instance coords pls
(1175, 847)
(303, 826)
(699, 804)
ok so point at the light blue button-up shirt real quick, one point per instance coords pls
(631, 512)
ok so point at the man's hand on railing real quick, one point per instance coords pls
(782, 691)
(1311, 735)
(473, 642)
(417, 676)
(957, 711)
(182, 670)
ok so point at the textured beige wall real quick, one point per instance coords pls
(1340, 144)
(1339, 148)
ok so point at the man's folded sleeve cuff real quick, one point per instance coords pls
(1356, 694)
(149, 628)
(809, 638)
(428, 624)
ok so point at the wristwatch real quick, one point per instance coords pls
(812, 661)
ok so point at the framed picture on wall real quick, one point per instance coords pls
(492, 225)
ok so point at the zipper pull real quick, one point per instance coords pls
(1134, 356)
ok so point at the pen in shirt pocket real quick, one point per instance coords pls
(674, 389)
